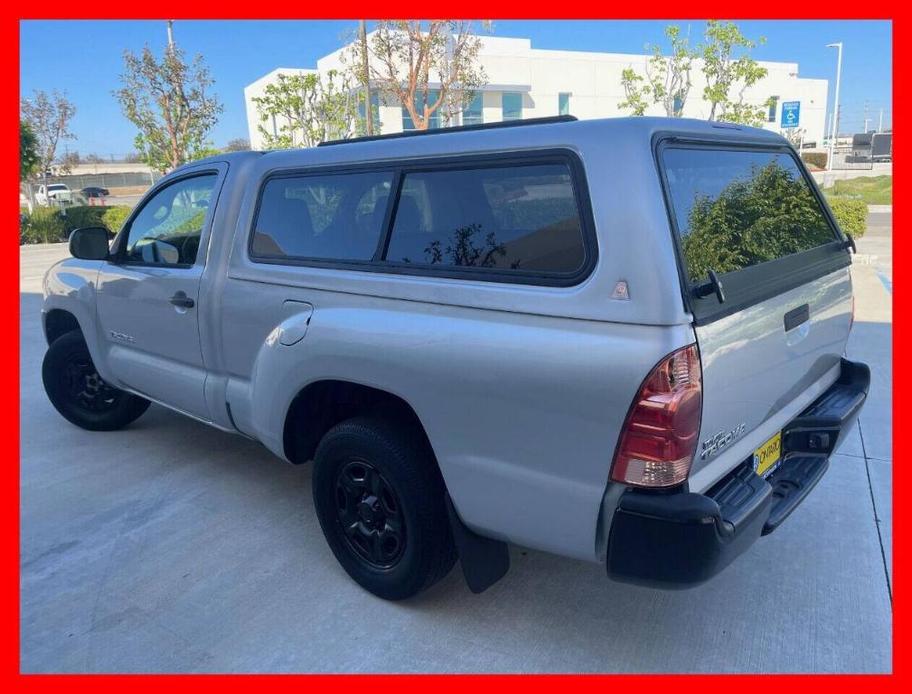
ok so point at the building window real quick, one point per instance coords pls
(433, 121)
(473, 114)
(563, 104)
(678, 105)
(773, 103)
(512, 105)
(375, 110)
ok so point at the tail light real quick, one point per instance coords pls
(659, 437)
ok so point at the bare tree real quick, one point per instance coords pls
(407, 57)
(48, 116)
(238, 144)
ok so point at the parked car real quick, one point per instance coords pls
(614, 340)
(55, 192)
(95, 192)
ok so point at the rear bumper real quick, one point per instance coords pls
(679, 539)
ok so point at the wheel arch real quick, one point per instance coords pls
(320, 405)
(59, 321)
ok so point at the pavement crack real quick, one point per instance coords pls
(877, 520)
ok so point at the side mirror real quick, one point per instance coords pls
(89, 243)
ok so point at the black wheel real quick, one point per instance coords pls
(77, 391)
(380, 500)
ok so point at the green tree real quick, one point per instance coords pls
(667, 80)
(48, 117)
(729, 72)
(169, 103)
(635, 92)
(307, 109)
(766, 216)
(28, 152)
(407, 57)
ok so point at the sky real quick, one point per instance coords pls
(85, 59)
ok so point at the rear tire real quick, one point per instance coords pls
(379, 497)
(79, 394)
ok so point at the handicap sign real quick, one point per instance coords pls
(791, 111)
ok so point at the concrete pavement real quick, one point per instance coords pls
(173, 547)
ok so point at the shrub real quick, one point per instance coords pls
(53, 225)
(815, 159)
(851, 214)
(81, 216)
(114, 217)
(44, 225)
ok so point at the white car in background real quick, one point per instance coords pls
(57, 192)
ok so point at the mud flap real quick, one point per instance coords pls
(484, 561)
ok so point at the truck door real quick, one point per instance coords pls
(148, 295)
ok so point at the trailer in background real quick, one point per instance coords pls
(882, 147)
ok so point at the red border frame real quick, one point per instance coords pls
(9, 408)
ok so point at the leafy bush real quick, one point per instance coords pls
(44, 225)
(53, 225)
(81, 216)
(114, 217)
(851, 214)
(815, 159)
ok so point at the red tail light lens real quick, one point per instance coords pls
(659, 437)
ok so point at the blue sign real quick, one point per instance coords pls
(791, 113)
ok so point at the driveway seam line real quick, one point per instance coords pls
(883, 554)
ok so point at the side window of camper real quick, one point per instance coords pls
(510, 218)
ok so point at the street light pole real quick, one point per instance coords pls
(833, 132)
(368, 114)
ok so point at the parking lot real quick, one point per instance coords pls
(171, 546)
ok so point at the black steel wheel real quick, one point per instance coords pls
(86, 388)
(370, 514)
(75, 389)
(379, 497)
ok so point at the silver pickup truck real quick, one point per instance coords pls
(615, 340)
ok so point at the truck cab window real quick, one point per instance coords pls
(168, 227)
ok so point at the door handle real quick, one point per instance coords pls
(182, 300)
(796, 317)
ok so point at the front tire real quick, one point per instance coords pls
(79, 394)
(379, 497)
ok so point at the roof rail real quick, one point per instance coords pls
(454, 129)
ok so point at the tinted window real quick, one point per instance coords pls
(511, 218)
(735, 208)
(335, 216)
(511, 106)
(473, 113)
(168, 227)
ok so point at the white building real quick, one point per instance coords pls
(526, 82)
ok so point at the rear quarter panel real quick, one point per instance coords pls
(522, 411)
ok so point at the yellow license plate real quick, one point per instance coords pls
(767, 456)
